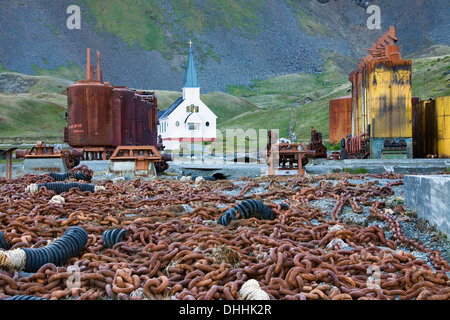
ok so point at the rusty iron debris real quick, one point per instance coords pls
(43, 151)
(173, 248)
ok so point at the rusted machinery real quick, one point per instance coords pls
(316, 145)
(287, 159)
(102, 117)
(43, 151)
(382, 99)
(143, 156)
(357, 147)
(386, 120)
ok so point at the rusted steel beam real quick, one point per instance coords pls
(8, 162)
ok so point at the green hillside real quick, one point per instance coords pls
(151, 26)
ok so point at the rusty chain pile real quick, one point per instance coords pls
(173, 247)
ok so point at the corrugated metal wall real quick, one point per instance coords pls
(340, 122)
(443, 126)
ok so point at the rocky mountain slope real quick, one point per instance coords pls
(144, 43)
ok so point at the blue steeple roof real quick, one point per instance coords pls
(190, 78)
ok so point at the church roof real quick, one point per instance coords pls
(190, 77)
(170, 109)
(190, 81)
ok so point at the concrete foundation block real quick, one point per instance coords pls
(44, 165)
(429, 196)
(126, 169)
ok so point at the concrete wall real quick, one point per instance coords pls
(429, 196)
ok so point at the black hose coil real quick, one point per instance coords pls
(3, 243)
(25, 297)
(112, 236)
(59, 176)
(58, 252)
(65, 187)
(246, 209)
(78, 175)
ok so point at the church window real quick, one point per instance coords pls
(207, 123)
(177, 123)
(193, 126)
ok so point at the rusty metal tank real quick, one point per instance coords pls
(340, 120)
(139, 105)
(89, 114)
(105, 116)
(145, 107)
(123, 100)
(152, 116)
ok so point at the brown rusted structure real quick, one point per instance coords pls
(8, 164)
(431, 132)
(287, 159)
(340, 123)
(43, 151)
(356, 147)
(101, 116)
(381, 96)
(142, 156)
(316, 145)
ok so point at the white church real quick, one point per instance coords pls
(188, 119)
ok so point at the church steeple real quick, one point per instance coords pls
(190, 78)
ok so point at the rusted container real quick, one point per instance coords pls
(123, 102)
(139, 106)
(152, 120)
(128, 125)
(145, 122)
(382, 95)
(443, 126)
(101, 117)
(340, 118)
(89, 114)
(424, 128)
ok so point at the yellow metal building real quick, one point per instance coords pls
(443, 126)
(381, 98)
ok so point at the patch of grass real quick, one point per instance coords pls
(430, 75)
(293, 103)
(331, 146)
(133, 21)
(27, 116)
(308, 22)
(1, 68)
(71, 71)
(55, 30)
(356, 170)
(226, 106)
(151, 26)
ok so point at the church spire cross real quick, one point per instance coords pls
(190, 78)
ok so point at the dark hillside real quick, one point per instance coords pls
(143, 44)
